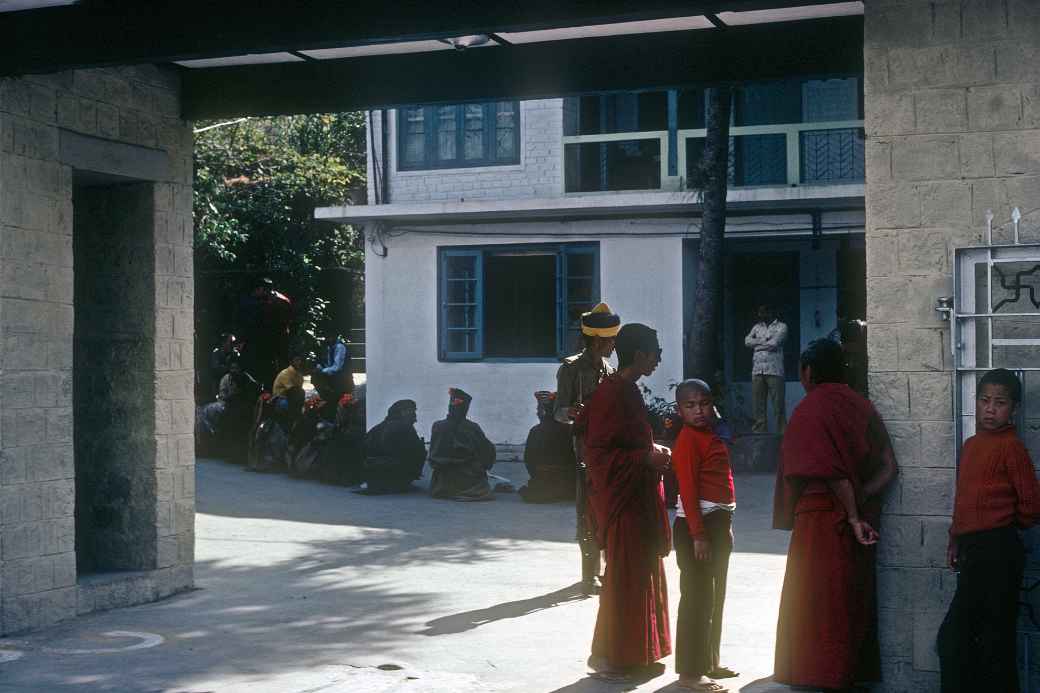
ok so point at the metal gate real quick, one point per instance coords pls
(995, 323)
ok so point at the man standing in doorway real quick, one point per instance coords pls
(767, 339)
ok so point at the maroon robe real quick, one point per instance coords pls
(826, 635)
(627, 499)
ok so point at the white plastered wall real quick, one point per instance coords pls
(640, 276)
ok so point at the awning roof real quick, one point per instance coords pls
(272, 56)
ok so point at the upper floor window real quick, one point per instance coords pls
(515, 302)
(786, 132)
(472, 134)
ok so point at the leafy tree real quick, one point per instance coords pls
(257, 183)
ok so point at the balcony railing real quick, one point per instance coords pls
(816, 153)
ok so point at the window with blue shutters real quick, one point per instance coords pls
(516, 302)
(462, 275)
(458, 136)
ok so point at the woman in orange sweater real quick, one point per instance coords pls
(703, 538)
(997, 493)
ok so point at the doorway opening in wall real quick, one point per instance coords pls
(114, 443)
(764, 278)
(520, 305)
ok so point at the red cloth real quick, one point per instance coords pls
(627, 497)
(827, 438)
(996, 484)
(701, 463)
(826, 635)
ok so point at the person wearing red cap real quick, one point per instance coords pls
(460, 454)
(548, 456)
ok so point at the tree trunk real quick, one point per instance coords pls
(703, 360)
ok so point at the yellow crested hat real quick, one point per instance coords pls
(600, 322)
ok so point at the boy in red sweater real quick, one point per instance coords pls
(997, 493)
(703, 538)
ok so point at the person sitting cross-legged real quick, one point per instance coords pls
(549, 456)
(460, 454)
(394, 452)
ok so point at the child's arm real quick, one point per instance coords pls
(1023, 479)
(687, 467)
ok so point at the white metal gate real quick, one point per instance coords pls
(995, 323)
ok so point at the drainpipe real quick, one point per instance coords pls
(384, 182)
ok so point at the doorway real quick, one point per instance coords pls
(114, 377)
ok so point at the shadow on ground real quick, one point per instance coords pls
(297, 577)
(468, 620)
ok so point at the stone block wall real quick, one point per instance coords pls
(953, 129)
(539, 173)
(59, 134)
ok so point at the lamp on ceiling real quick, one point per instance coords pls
(463, 42)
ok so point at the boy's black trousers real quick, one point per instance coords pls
(702, 594)
(977, 640)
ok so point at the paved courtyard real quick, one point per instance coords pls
(304, 587)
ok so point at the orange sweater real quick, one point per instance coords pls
(996, 484)
(701, 463)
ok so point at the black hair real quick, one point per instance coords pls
(634, 337)
(692, 384)
(1004, 378)
(826, 359)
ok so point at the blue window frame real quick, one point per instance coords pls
(515, 302)
(458, 136)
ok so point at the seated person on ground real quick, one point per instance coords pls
(218, 360)
(333, 376)
(394, 452)
(226, 422)
(549, 456)
(269, 437)
(460, 454)
(287, 389)
(327, 447)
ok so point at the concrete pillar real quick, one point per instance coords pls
(58, 133)
(953, 129)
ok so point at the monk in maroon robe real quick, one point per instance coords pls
(836, 459)
(627, 498)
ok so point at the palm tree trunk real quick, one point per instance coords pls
(703, 358)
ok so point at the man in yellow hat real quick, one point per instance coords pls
(577, 379)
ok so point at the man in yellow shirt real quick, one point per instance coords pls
(289, 379)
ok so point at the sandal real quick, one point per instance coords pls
(709, 687)
(610, 676)
(722, 672)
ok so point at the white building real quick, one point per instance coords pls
(491, 227)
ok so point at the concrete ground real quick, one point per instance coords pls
(304, 587)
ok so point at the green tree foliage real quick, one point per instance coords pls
(257, 183)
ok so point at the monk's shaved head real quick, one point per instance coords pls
(691, 386)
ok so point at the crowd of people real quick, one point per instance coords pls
(594, 443)
(836, 463)
(320, 432)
